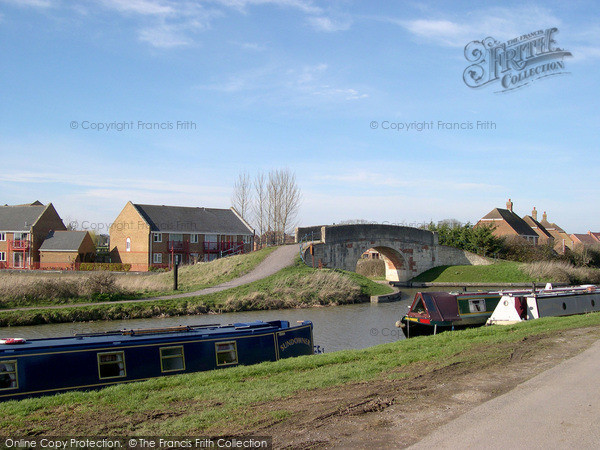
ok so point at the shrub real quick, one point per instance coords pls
(371, 268)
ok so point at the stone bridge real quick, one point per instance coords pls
(407, 251)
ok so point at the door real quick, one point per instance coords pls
(18, 260)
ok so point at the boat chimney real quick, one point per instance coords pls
(534, 213)
(509, 205)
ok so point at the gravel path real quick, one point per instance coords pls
(282, 257)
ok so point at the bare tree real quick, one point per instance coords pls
(290, 201)
(275, 202)
(259, 206)
(242, 195)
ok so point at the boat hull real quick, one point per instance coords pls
(412, 328)
(48, 366)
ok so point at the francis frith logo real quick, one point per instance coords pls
(514, 63)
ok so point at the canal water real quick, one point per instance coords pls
(335, 327)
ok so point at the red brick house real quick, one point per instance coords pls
(508, 224)
(158, 235)
(583, 239)
(562, 240)
(544, 236)
(23, 229)
(595, 236)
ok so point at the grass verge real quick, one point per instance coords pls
(219, 401)
(293, 287)
(42, 288)
(499, 272)
(512, 272)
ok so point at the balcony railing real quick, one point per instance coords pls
(18, 244)
(214, 247)
(179, 246)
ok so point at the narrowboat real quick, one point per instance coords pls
(432, 312)
(548, 302)
(32, 367)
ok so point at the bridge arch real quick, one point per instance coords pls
(407, 251)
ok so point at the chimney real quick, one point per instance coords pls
(534, 213)
(545, 216)
(509, 205)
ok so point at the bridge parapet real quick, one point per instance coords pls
(407, 251)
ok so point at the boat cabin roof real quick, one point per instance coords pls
(143, 336)
(440, 306)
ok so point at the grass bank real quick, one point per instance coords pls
(512, 272)
(43, 288)
(293, 287)
(249, 398)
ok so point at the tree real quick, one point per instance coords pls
(259, 206)
(242, 195)
(274, 199)
(289, 201)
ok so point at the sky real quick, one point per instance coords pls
(167, 102)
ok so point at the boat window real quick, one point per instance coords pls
(111, 365)
(226, 353)
(171, 359)
(419, 306)
(477, 305)
(8, 375)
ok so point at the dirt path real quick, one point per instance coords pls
(282, 257)
(404, 406)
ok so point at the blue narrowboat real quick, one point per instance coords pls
(94, 360)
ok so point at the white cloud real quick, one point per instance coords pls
(143, 7)
(305, 6)
(499, 23)
(292, 84)
(31, 3)
(329, 25)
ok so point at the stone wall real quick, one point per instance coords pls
(450, 256)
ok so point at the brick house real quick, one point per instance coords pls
(66, 249)
(562, 240)
(595, 236)
(23, 229)
(544, 236)
(154, 235)
(508, 224)
(583, 239)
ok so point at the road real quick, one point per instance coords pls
(559, 408)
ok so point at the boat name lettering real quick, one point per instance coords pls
(294, 341)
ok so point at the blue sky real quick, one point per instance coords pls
(294, 83)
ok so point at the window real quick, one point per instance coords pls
(3, 256)
(111, 365)
(157, 258)
(177, 237)
(247, 239)
(477, 305)
(2, 236)
(8, 375)
(226, 353)
(20, 236)
(128, 245)
(171, 359)
(157, 237)
(194, 238)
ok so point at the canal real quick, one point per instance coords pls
(335, 327)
